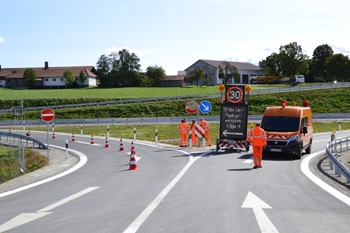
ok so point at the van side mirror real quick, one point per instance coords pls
(304, 129)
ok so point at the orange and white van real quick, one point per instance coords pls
(289, 129)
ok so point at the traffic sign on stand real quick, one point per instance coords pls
(205, 106)
(191, 107)
(234, 94)
(47, 114)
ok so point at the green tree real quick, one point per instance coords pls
(147, 82)
(196, 76)
(291, 58)
(227, 71)
(156, 73)
(102, 71)
(319, 56)
(69, 78)
(82, 77)
(30, 77)
(338, 67)
(129, 68)
(271, 65)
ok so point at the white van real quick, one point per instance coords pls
(299, 79)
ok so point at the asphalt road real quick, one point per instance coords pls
(174, 191)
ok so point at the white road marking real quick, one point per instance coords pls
(304, 166)
(87, 143)
(29, 217)
(134, 226)
(250, 160)
(82, 161)
(252, 201)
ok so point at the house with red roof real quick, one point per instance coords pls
(211, 69)
(48, 77)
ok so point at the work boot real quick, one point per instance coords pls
(260, 166)
(255, 167)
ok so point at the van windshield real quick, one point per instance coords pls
(280, 123)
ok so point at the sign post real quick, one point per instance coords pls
(48, 115)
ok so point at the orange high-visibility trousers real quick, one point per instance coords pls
(183, 141)
(207, 136)
(257, 155)
(194, 140)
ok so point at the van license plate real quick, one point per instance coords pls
(276, 150)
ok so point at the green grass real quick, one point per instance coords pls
(10, 166)
(115, 93)
(321, 101)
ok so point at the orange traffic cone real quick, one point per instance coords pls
(53, 134)
(73, 138)
(133, 164)
(132, 147)
(107, 144)
(92, 139)
(28, 133)
(121, 145)
(10, 130)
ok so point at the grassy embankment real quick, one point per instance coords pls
(10, 166)
(321, 101)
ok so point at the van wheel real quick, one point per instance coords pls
(298, 156)
(308, 149)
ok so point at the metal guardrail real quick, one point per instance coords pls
(332, 150)
(10, 137)
(340, 117)
(210, 95)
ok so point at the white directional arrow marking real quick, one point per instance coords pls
(28, 217)
(224, 133)
(252, 201)
(206, 107)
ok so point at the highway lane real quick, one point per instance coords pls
(208, 198)
(211, 195)
(122, 194)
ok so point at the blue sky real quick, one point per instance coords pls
(171, 34)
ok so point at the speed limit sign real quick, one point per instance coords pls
(234, 94)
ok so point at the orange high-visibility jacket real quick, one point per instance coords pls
(204, 124)
(257, 136)
(183, 127)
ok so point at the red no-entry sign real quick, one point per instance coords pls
(47, 114)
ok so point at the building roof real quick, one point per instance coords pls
(50, 72)
(238, 65)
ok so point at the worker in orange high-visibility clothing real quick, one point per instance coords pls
(205, 126)
(188, 127)
(183, 129)
(258, 138)
(194, 136)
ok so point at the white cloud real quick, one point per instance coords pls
(139, 53)
(2, 40)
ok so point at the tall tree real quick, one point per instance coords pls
(227, 71)
(319, 56)
(82, 77)
(196, 76)
(102, 71)
(30, 77)
(291, 57)
(271, 65)
(156, 73)
(129, 68)
(338, 67)
(68, 78)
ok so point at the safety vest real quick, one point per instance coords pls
(204, 124)
(183, 127)
(257, 136)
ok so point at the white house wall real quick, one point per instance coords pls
(217, 80)
(58, 81)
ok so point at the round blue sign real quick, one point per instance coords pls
(205, 106)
